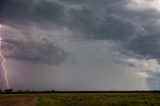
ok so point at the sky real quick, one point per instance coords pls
(80, 44)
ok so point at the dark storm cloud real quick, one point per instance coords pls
(18, 12)
(25, 12)
(40, 52)
(113, 21)
(101, 23)
(93, 2)
(137, 31)
(90, 20)
(146, 46)
(110, 27)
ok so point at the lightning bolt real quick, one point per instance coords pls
(3, 62)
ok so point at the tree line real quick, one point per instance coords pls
(11, 91)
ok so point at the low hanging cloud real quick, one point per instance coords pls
(39, 52)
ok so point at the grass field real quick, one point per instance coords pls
(81, 99)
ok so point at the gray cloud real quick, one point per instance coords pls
(35, 51)
(146, 46)
(90, 20)
(135, 30)
(15, 12)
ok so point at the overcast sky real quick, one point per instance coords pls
(81, 44)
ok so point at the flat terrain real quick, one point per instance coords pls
(81, 99)
(18, 100)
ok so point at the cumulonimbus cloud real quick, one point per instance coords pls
(39, 52)
(135, 29)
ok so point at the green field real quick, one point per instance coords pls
(81, 99)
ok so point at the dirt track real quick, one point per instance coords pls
(19, 101)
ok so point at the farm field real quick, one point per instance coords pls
(81, 99)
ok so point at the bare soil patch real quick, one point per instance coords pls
(19, 100)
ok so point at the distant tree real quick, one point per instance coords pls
(47, 91)
(19, 91)
(52, 91)
(1, 91)
(8, 90)
(27, 91)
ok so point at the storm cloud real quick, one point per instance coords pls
(41, 52)
(67, 32)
